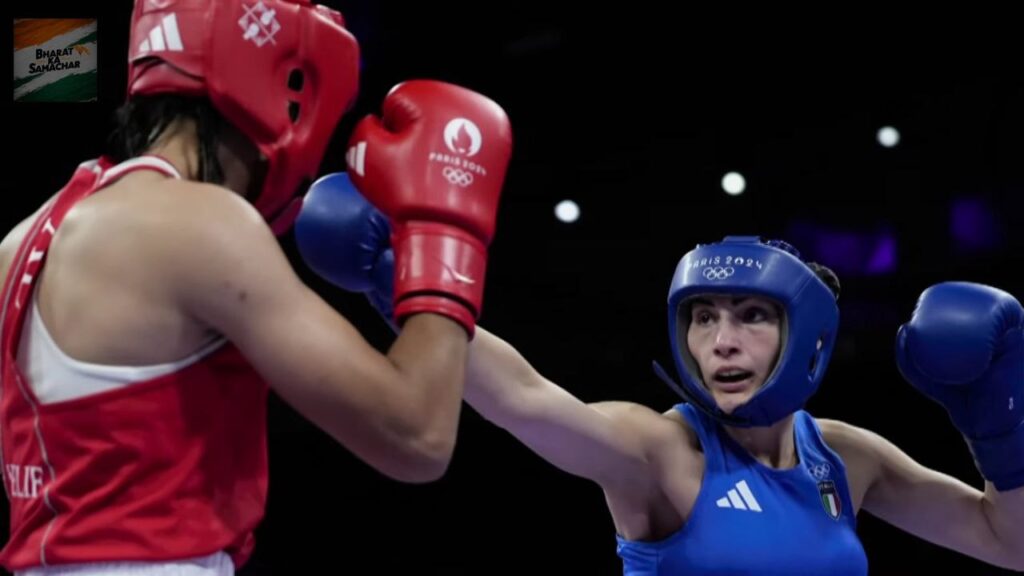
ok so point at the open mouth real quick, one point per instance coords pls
(732, 380)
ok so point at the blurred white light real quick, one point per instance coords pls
(567, 211)
(888, 136)
(734, 183)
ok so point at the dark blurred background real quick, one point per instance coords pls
(636, 113)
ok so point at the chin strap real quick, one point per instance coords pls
(691, 399)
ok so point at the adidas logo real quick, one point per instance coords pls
(740, 498)
(163, 37)
(259, 24)
(356, 158)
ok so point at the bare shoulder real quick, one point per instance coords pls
(177, 226)
(209, 240)
(624, 410)
(856, 442)
(633, 414)
(845, 437)
(188, 244)
(659, 430)
(184, 210)
(682, 426)
(863, 452)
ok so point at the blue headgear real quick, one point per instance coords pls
(746, 265)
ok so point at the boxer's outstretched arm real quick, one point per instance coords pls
(929, 504)
(615, 444)
(398, 412)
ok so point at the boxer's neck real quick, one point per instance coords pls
(774, 446)
(179, 145)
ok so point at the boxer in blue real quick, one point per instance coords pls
(739, 479)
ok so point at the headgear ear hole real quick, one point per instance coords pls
(296, 79)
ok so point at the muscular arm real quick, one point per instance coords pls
(611, 443)
(986, 525)
(398, 412)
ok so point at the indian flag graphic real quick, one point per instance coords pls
(54, 60)
(830, 499)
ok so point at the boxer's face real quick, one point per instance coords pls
(735, 341)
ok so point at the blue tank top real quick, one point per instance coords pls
(752, 519)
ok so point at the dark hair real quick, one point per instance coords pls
(824, 272)
(143, 119)
(827, 276)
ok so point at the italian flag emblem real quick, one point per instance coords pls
(830, 499)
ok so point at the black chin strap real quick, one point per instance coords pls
(691, 399)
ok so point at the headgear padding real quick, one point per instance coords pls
(744, 265)
(281, 71)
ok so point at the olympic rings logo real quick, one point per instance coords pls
(820, 471)
(718, 272)
(458, 177)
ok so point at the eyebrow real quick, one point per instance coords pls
(736, 301)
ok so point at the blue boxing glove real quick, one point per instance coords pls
(964, 348)
(346, 241)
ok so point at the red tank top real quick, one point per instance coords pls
(173, 467)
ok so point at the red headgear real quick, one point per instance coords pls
(282, 71)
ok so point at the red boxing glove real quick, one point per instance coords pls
(435, 165)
